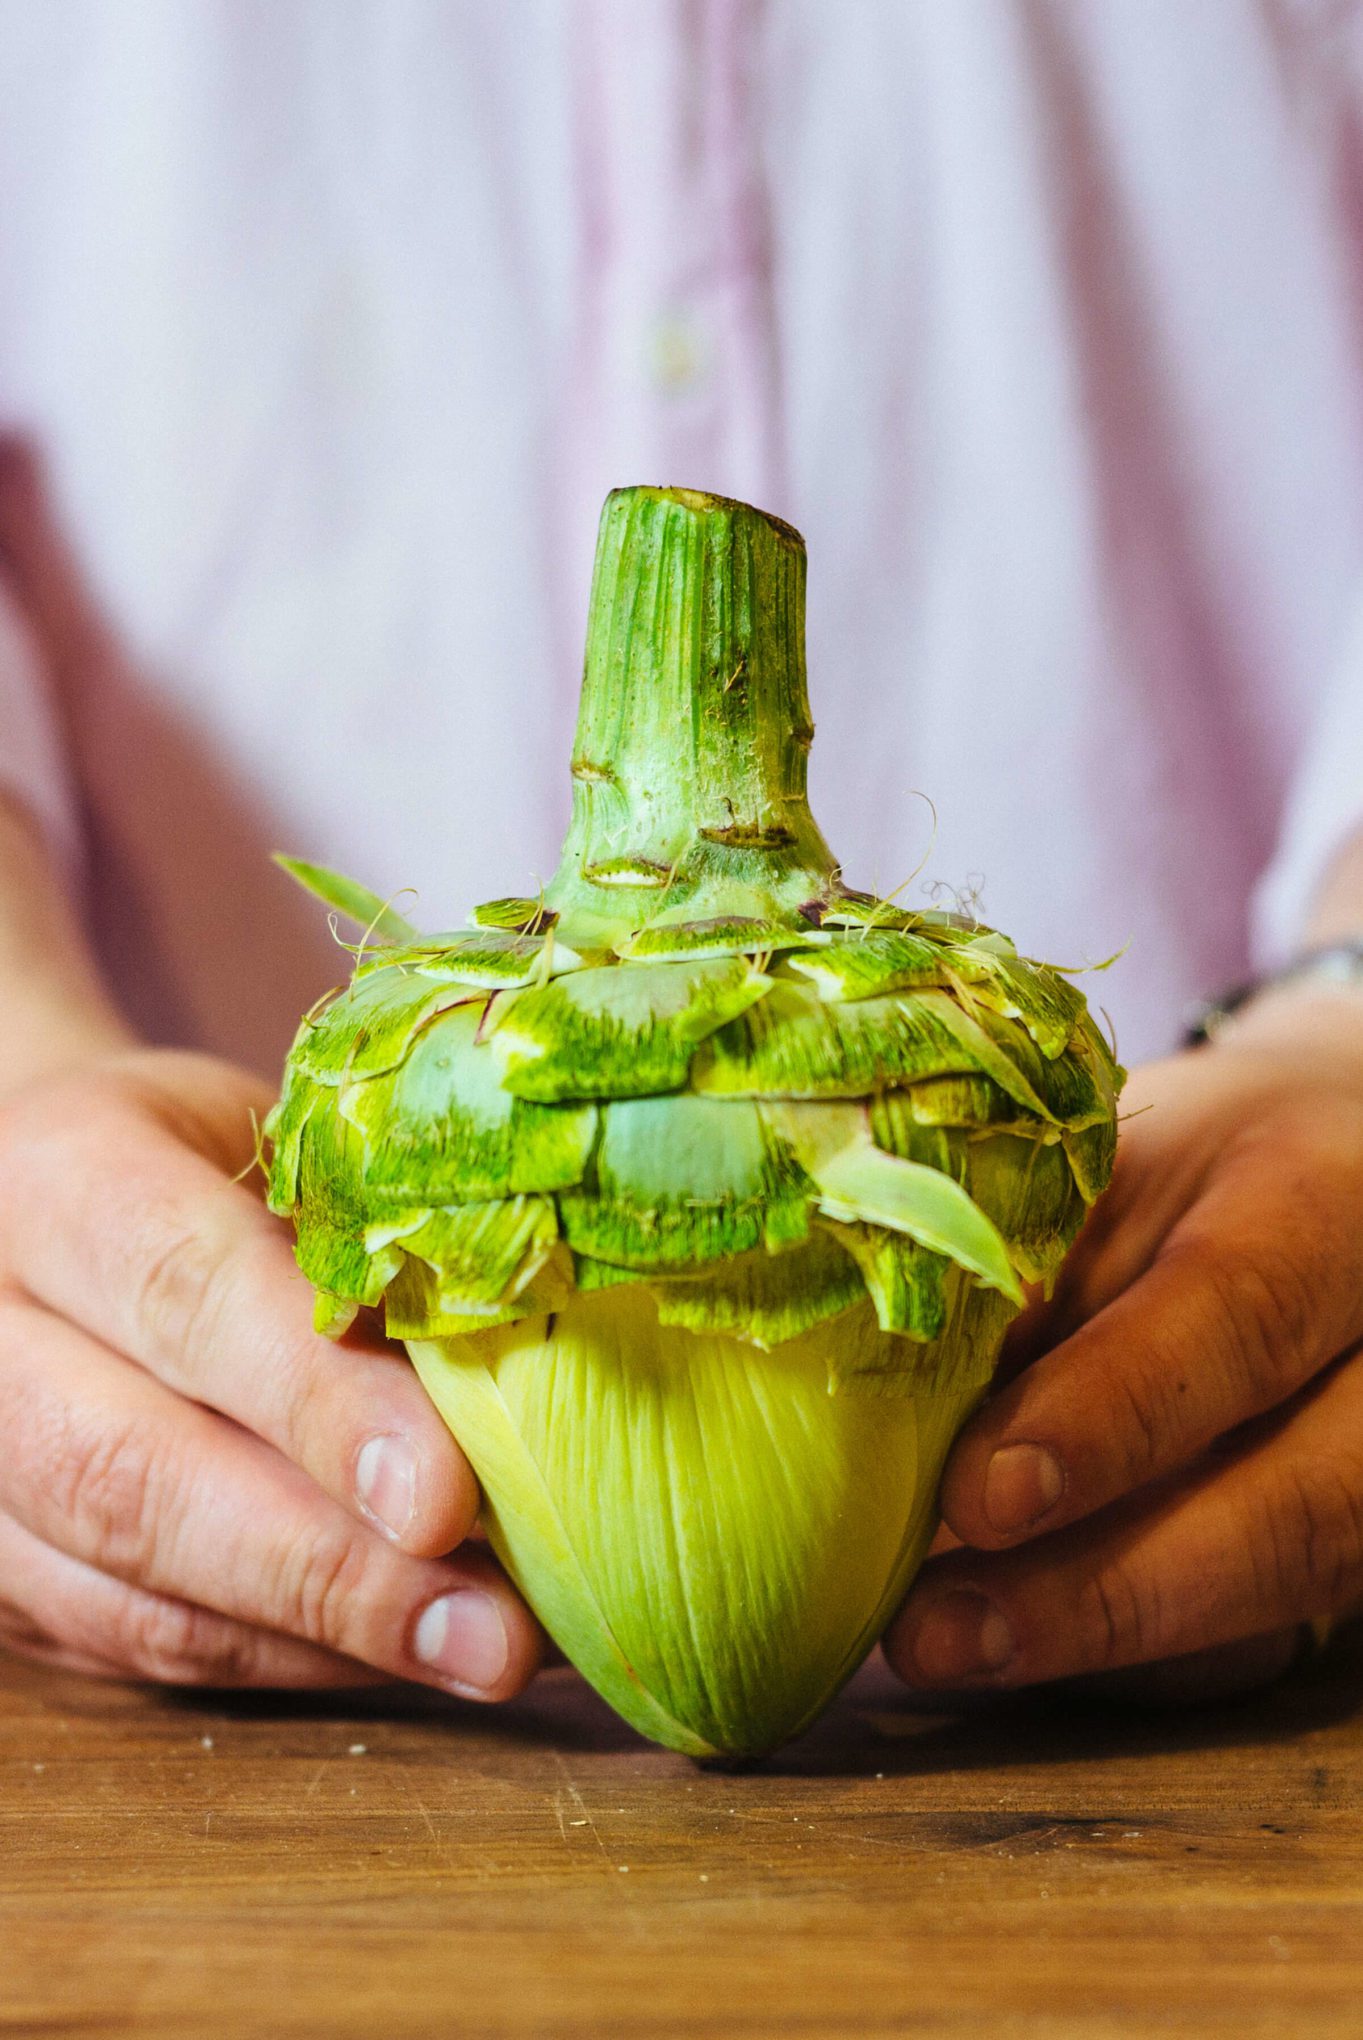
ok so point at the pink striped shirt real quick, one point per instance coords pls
(1043, 319)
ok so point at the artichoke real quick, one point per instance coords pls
(702, 1187)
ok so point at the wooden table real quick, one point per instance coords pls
(393, 1867)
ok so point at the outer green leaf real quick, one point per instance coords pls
(483, 960)
(367, 1029)
(856, 1180)
(590, 1274)
(348, 897)
(413, 1309)
(623, 1031)
(1092, 1152)
(840, 909)
(866, 1361)
(333, 1316)
(762, 1297)
(684, 1180)
(520, 916)
(1027, 1188)
(794, 1045)
(484, 1255)
(1048, 1006)
(866, 966)
(442, 1130)
(725, 935)
(283, 1128)
(331, 1217)
(972, 1101)
(906, 1282)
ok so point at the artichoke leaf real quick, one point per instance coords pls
(906, 1282)
(1027, 1188)
(678, 941)
(686, 1180)
(968, 1101)
(413, 1307)
(856, 1180)
(867, 966)
(331, 1218)
(443, 1130)
(347, 896)
(516, 916)
(283, 1128)
(333, 1316)
(484, 1255)
(867, 1361)
(1021, 1178)
(367, 1029)
(480, 958)
(617, 1031)
(796, 1045)
(1092, 1151)
(1046, 1004)
(765, 1298)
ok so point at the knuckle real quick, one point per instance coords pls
(178, 1644)
(322, 1592)
(1261, 1307)
(1145, 1420)
(105, 1484)
(1120, 1615)
(1308, 1553)
(179, 1287)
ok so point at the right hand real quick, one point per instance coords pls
(194, 1486)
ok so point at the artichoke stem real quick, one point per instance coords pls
(689, 765)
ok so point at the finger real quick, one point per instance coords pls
(159, 1255)
(1253, 1292)
(1199, 1677)
(1161, 1173)
(113, 1469)
(1258, 1542)
(62, 1612)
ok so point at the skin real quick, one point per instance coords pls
(196, 1488)
(1170, 1484)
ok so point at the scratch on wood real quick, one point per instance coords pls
(316, 1778)
(580, 1803)
(442, 1854)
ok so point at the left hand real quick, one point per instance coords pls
(1178, 1474)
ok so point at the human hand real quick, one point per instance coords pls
(195, 1487)
(1174, 1478)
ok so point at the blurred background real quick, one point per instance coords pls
(326, 325)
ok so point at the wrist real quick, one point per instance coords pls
(1332, 966)
(57, 1012)
(1304, 1016)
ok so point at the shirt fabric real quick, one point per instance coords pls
(336, 320)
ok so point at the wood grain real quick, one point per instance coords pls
(392, 1866)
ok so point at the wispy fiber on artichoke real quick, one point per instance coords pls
(701, 1188)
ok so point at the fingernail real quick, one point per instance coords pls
(963, 1637)
(1022, 1483)
(385, 1481)
(462, 1638)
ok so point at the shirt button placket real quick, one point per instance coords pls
(684, 288)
